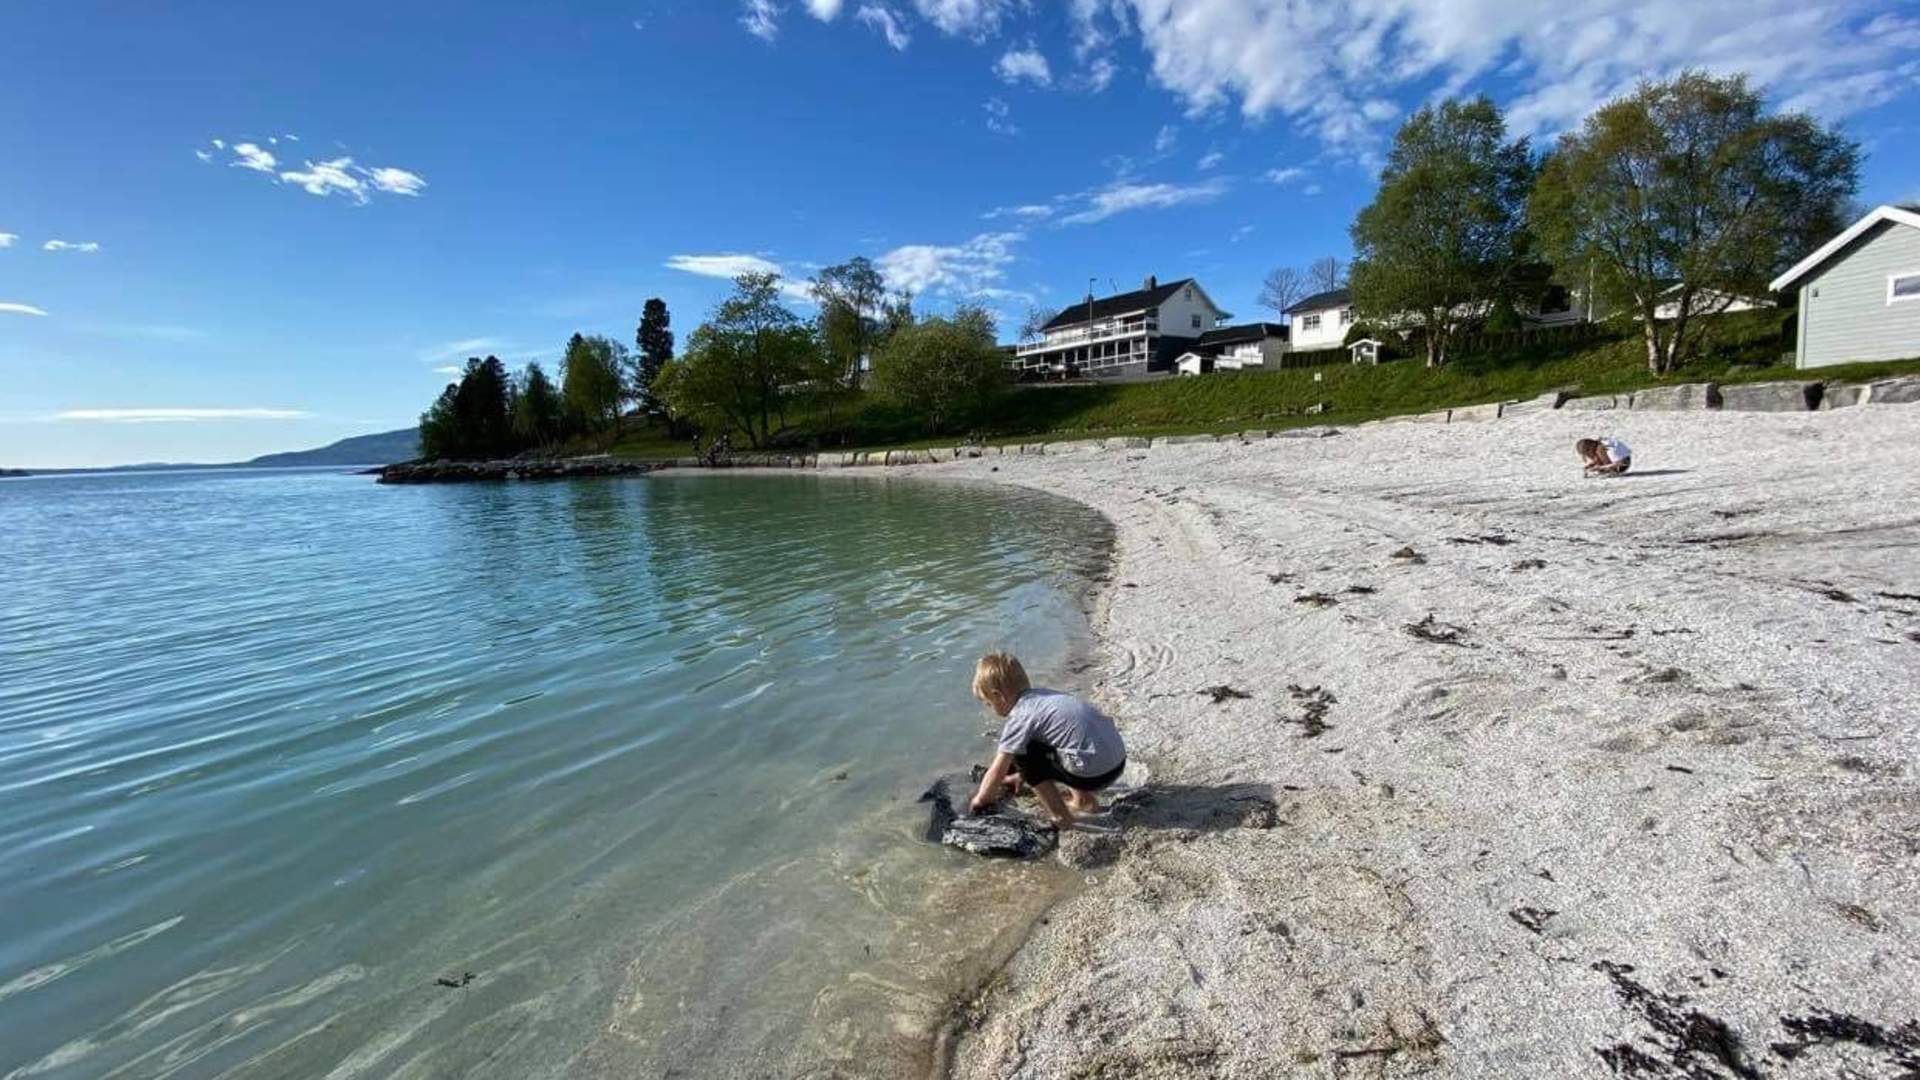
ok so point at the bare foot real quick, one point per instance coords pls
(1083, 801)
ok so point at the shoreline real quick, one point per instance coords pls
(1619, 790)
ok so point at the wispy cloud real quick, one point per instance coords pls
(761, 18)
(1122, 197)
(148, 331)
(8, 307)
(330, 176)
(1241, 233)
(460, 350)
(449, 369)
(1166, 139)
(971, 270)
(999, 117)
(1028, 64)
(1284, 176)
(972, 18)
(824, 10)
(176, 416)
(1029, 212)
(1212, 160)
(733, 264)
(85, 248)
(887, 23)
(7, 239)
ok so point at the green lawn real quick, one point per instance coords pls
(1743, 347)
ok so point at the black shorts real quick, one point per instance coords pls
(1042, 762)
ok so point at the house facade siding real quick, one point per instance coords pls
(1323, 328)
(1845, 313)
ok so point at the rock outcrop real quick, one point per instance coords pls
(1771, 397)
(1004, 832)
(470, 472)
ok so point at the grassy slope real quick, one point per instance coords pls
(1745, 347)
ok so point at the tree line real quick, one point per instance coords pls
(751, 371)
(1687, 193)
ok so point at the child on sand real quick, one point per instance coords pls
(1051, 741)
(1606, 456)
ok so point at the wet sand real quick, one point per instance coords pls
(1535, 775)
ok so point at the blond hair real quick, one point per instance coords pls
(1000, 674)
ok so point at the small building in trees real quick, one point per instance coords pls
(1860, 292)
(1321, 321)
(1128, 334)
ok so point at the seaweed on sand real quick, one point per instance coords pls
(1431, 629)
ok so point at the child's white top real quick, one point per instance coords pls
(1616, 450)
(1087, 742)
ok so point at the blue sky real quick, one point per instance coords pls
(272, 225)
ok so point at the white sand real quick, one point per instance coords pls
(1684, 619)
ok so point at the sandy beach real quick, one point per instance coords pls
(1533, 775)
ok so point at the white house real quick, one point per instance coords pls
(1860, 292)
(1127, 334)
(1705, 301)
(1321, 321)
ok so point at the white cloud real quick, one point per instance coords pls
(169, 415)
(1212, 160)
(1000, 117)
(973, 270)
(8, 307)
(1027, 63)
(323, 178)
(886, 22)
(204, 155)
(7, 239)
(824, 10)
(460, 350)
(1121, 197)
(250, 156)
(450, 369)
(394, 181)
(761, 18)
(1284, 176)
(1311, 189)
(974, 18)
(1099, 74)
(722, 266)
(1330, 68)
(1163, 142)
(1241, 233)
(1029, 212)
(85, 248)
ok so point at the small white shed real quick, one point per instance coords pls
(1366, 350)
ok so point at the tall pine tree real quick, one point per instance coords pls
(655, 339)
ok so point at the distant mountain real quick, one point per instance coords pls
(386, 448)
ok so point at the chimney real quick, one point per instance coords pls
(1152, 282)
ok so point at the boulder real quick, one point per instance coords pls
(1318, 431)
(1439, 417)
(1319, 408)
(1770, 397)
(1182, 440)
(1004, 832)
(1546, 402)
(1255, 435)
(1843, 396)
(1904, 390)
(1475, 413)
(1033, 448)
(1592, 404)
(1127, 442)
(1686, 397)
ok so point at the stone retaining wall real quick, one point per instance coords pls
(1789, 396)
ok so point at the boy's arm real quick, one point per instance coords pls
(989, 792)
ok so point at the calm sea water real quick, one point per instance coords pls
(279, 750)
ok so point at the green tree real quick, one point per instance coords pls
(539, 415)
(1446, 232)
(896, 314)
(473, 417)
(745, 363)
(440, 426)
(1689, 186)
(944, 369)
(655, 341)
(850, 296)
(590, 380)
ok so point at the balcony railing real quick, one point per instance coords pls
(1102, 331)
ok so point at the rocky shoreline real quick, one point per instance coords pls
(471, 472)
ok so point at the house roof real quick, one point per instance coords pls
(1332, 298)
(1118, 304)
(1233, 335)
(1899, 214)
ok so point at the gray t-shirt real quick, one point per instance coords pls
(1087, 742)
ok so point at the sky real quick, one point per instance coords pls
(233, 228)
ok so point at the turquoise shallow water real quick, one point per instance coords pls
(280, 749)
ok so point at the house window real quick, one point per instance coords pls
(1196, 320)
(1310, 322)
(1189, 294)
(1346, 316)
(1902, 287)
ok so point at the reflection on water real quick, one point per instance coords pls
(280, 750)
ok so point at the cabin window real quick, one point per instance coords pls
(1189, 294)
(1901, 287)
(1346, 316)
(1310, 322)
(1196, 320)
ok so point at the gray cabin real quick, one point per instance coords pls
(1860, 293)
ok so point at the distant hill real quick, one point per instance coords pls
(385, 448)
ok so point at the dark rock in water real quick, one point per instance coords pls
(1003, 832)
(467, 472)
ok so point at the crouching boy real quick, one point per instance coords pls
(1057, 744)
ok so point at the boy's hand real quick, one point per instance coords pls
(979, 803)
